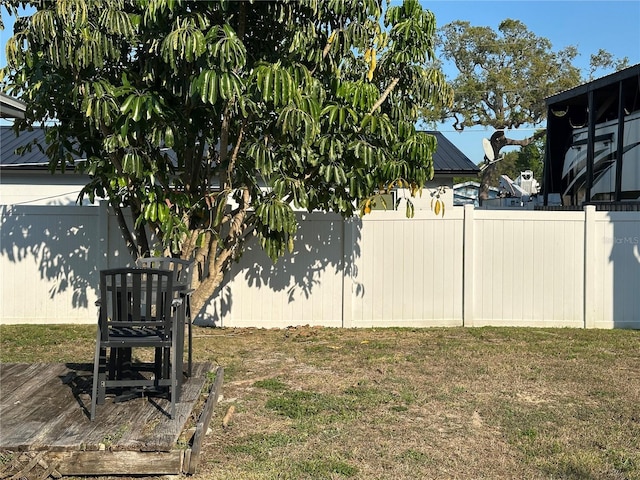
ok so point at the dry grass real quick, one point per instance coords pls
(495, 403)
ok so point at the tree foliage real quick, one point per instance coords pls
(212, 121)
(603, 60)
(504, 77)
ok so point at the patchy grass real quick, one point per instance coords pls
(52, 343)
(314, 403)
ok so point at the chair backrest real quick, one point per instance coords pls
(136, 297)
(182, 269)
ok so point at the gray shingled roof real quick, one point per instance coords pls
(448, 159)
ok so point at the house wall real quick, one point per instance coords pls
(471, 267)
(432, 188)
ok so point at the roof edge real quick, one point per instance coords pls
(11, 107)
(629, 72)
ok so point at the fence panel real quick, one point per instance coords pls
(528, 268)
(472, 267)
(408, 271)
(613, 300)
(48, 264)
(303, 288)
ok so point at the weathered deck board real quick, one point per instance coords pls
(45, 407)
(192, 456)
(109, 463)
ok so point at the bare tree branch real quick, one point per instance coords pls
(385, 94)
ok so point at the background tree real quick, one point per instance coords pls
(504, 77)
(528, 157)
(212, 120)
(603, 60)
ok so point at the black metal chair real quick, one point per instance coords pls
(182, 276)
(138, 309)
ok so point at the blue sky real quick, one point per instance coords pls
(589, 25)
(613, 25)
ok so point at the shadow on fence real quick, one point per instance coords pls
(59, 241)
(325, 244)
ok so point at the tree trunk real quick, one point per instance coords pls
(498, 141)
(129, 240)
(213, 261)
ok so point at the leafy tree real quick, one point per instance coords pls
(605, 61)
(211, 121)
(504, 77)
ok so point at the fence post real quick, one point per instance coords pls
(588, 267)
(467, 266)
(348, 264)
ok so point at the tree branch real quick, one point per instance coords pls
(124, 230)
(458, 126)
(385, 94)
(234, 154)
(326, 49)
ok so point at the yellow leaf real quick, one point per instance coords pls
(437, 208)
(372, 64)
(367, 206)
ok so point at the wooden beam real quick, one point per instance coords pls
(203, 423)
(117, 463)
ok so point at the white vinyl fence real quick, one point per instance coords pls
(473, 267)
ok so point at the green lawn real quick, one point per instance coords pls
(494, 403)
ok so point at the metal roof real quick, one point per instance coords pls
(447, 159)
(569, 95)
(10, 143)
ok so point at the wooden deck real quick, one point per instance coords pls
(44, 421)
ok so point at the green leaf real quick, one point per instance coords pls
(221, 203)
(201, 240)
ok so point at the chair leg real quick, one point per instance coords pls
(113, 363)
(175, 391)
(190, 334)
(160, 363)
(179, 344)
(102, 376)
